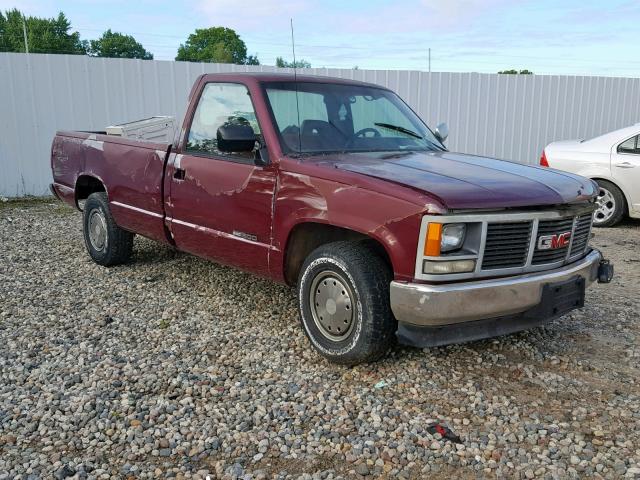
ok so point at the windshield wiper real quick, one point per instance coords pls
(398, 128)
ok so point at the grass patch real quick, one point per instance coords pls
(50, 201)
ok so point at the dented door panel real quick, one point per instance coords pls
(221, 210)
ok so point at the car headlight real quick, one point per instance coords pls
(452, 236)
(442, 238)
(450, 246)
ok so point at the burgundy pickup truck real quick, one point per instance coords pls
(338, 188)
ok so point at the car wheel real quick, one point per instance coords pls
(343, 295)
(106, 243)
(611, 205)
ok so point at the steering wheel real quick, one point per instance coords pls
(363, 133)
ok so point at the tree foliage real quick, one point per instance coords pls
(116, 45)
(53, 35)
(252, 60)
(216, 44)
(282, 63)
(44, 35)
(516, 72)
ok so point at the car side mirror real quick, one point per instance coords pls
(236, 138)
(442, 132)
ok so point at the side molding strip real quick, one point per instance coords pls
(136, 209)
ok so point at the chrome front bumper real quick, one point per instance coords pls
(446, 304)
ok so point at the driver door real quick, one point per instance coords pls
(220, 202)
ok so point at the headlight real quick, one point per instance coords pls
(450, 246)
(452, 236)
(443, 238)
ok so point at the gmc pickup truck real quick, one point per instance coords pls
(338, 188)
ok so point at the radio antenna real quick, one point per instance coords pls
(295, 81)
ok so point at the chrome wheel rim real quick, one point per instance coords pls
(606, 206)
(97, 230)
(331, 301)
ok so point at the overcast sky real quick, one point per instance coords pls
(546, 36)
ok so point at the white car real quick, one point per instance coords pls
(612, 160)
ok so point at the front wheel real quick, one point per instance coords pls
(343, 295)
(106, 243)
(611, 205)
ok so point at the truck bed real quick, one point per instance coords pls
(134, 168)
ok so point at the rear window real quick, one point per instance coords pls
(629, 146)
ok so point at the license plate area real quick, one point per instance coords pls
(562, 297)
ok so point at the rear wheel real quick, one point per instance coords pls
(106, 243)
(343, 295)
(611, 205)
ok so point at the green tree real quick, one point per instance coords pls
(252, 60)
(282, 63)
(215, 44)
(44, 35)
(516, 72)
(116, 45)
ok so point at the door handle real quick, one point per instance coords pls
(625, 165)
(179, 174)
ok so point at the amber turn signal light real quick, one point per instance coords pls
(433, 241)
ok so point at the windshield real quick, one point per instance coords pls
(329, 117)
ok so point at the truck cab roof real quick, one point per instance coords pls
(264, 77)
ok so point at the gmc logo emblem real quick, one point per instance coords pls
(553, 242)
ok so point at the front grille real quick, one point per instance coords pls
(552, 227)
(518, 242)
(507, 245)
(581, 235)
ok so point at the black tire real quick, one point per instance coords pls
(371, 329)
(602, 219)
(117, 244)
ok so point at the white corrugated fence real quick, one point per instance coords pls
(505, 116)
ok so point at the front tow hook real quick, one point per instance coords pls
(605, 271)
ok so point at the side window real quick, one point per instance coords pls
(629, 146)
(220, 104)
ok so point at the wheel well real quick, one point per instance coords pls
(86, 185)
(306, 237)
(624, 195)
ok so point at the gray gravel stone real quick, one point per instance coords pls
(175, 367)
(64, 472)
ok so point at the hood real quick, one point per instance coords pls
(463, 181)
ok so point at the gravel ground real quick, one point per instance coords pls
(175, 367)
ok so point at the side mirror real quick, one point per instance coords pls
(442, 132)
(236, 138)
